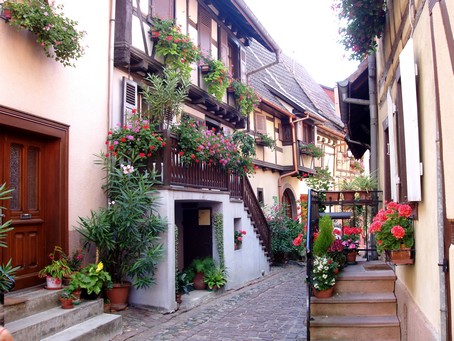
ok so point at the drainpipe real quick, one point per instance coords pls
(295, 157)
(445, 318)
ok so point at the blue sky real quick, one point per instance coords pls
(306, 30)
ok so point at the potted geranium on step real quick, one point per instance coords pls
(55, 271)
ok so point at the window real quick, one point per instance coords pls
(260, 122)
(162, 9)
(233, 60)
(260, 197)
(285, 134)
(308, 133)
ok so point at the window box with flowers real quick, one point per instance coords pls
(238, 238)
(393, 230)
(56, 33)
(216, 76)
(178, 50)
(245, 97)
(312, 150)
(199, 144)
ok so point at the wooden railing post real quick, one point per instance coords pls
(167, 158)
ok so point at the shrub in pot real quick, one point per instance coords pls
(216, 277)
(55, 271)
(126, 233)
(199, 267)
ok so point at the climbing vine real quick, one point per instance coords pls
(218, 221)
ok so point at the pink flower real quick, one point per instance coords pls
(405, 211)
(398, 232)
(375, 226)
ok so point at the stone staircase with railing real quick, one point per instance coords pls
(364, 306)
(35, 314)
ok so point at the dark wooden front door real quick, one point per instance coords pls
(23, 168)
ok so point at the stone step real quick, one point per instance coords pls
(362, 304)
(383, 328)
(366, 277)
(23, 303)
(53, 320)
(99, 328)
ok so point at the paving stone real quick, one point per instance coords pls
(271, 308)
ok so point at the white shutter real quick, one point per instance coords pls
(411, 127)
(392, 147)
(129, 98)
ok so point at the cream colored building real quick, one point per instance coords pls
(411, 142)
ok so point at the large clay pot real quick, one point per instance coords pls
(323, 293)
(118, 295)
(199, 283)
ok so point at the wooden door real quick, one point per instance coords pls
(198, 240)
(23, 169)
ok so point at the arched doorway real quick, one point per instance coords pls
(289, 202)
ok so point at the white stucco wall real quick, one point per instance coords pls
(243, 265)
(78, 96)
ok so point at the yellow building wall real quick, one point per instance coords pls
(422, 279)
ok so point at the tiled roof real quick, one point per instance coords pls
(291, 79)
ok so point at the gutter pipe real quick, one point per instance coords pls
(295, 158)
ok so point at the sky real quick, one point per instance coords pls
(307, 31)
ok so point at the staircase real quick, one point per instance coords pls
(363, 307)
(35, 314)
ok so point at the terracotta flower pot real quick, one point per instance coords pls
(323, 293)
(66, 303)
(118, 295)
(199, 283)
(351, 257)
(401, 257)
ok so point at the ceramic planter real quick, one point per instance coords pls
(53, 283)
(323, 293)
(118, 296)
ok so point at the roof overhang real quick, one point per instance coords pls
(354, 108)
(237, 15)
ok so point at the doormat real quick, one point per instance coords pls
(376, 266)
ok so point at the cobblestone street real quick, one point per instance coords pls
(272, 308)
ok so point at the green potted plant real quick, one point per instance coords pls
(56, 33)
(325, 236)
(199, 267)
(182, 285)
(92, 279)
(126, 232)
(66, 299)
(393, 231)
(55, 271)
(216, 76)
(216, 277)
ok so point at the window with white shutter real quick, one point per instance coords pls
(129, 98)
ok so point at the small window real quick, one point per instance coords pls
(260, 123)
(285, 134)
(308, 133)
(260, 197)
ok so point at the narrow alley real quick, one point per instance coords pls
(271, 308)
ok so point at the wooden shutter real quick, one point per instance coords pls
(411, 127)
(204, 31)
(392, 148)
(224, 46)
(260, 123)
(129, 98)
(243, 70)
(163, 9)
